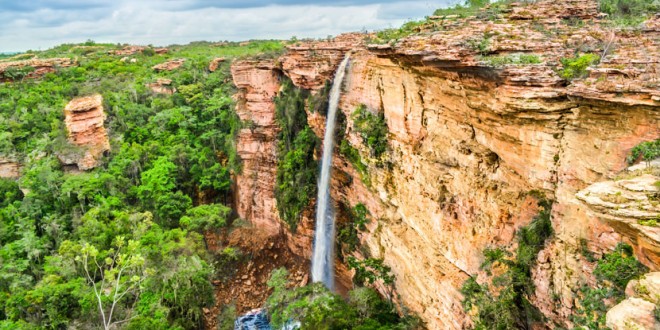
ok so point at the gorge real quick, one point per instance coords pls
(491, 167)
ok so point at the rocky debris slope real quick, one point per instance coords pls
(472, 131)
(638, 310)
(84, 117)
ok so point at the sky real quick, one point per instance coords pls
(41, 24)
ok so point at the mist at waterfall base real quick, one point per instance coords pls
(323, 254)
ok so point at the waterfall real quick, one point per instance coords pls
(323, 255)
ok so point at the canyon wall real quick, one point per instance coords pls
(468, 143)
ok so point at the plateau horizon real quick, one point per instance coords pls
(41, 25)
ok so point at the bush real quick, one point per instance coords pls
(372, 128)
(613, 273)
(317, 308)
(648, 151)
(510, 308)
(353, 156)
(513, 59)
(297, 169)
(205, 217)
(575, 68)
(347, 232)
(629, 12)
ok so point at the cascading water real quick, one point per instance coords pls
(323, 255)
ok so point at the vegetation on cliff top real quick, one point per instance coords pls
(133, 222)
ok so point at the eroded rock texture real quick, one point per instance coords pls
(84, 118)
(258, 84)
(9, 169)
(468, 141)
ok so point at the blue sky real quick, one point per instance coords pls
(40, 24)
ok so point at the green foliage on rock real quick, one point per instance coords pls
(315, 307)
(647, 151)
(629, 12)
(372, 128)
(169, 152)
(510, 308)
(613, 273)
(513, 59)
(297, 169)
(347, 232)
(576, 67)
(353, 156)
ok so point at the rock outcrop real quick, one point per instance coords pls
(84, 117)
(637, 311)
(632, 207)
(162, 86)
(215, 63)
(169, 65)
(258, 84)
(39, 67)
(128, 50)
(468, 141)
(9, 169)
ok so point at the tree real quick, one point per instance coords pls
(113, 274)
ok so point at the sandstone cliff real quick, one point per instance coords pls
(469, 138)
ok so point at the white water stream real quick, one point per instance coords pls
(324, 243)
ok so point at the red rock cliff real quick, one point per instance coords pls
(468, 140)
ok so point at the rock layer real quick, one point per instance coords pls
(84, 118)
(258, 84)
(9, 169)
(40, 66)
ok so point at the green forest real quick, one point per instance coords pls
(121, 245)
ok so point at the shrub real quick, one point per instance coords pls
(613, 273)
(205, 217)
(372, 128)
(297, 169)
(317, 308)
(510, 308)
(347, 232)
(648, 151)
(629, 12)
(576, 67)
(353, 156)
(513, 59)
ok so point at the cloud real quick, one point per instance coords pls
(44, 24)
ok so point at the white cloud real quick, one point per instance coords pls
(156, 22)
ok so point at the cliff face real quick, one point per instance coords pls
(468, 141)
(84, 117)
